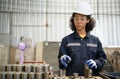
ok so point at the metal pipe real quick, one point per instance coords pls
(20, 68)
(10, 75)
(17, 75)
(40, 68)
(39, 76)
(28, 68)
(46, 20)
(24, 75)
(75, 75)
(87, 72)
(31, 75)
(9, 67)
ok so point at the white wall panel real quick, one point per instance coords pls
(48, 20)
(4, 22)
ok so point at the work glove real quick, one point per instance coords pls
(91, 64)
(21, 46)
(65, 59)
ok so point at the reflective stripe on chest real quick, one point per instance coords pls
(91, 45)
(73, 44)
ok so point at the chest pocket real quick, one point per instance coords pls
(73, 47)
(92, 48)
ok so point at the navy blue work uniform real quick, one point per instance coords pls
(80, 50)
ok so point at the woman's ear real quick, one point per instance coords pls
(88, 20)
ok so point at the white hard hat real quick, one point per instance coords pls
(83, 8)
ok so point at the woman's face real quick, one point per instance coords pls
(80, 21)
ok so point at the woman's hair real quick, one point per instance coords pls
(89, 26)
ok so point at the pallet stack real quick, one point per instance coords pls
(25, 71)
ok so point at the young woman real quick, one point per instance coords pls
(80, 47)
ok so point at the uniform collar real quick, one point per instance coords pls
(76, 35)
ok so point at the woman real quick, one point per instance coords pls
(80, 47)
